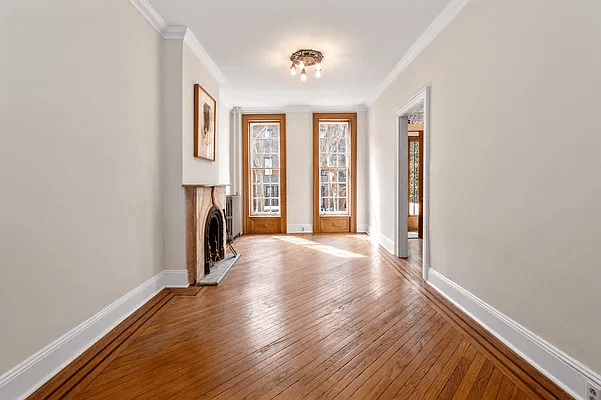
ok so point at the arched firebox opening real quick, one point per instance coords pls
(214, 245)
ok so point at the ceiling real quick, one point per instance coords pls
(251, 42)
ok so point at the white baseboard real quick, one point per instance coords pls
(300, 228)
(381, 239)
(308, 228)
(174, 278)
(562, 369)
(27, 377)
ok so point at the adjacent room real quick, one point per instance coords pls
(300, 200)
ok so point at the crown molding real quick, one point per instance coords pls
(175, 32)
(300, 109)
(178, 32)
(203, 56)
(441, 21)
(150, 14)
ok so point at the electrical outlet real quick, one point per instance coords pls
(593, 392)
(303, 229)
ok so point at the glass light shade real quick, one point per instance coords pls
(318, 67)
(293, 70)
(303, 75)
(301, 64)
(318, 74)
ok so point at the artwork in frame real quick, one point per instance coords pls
(204, 124)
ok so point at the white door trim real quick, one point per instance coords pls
(400, 177)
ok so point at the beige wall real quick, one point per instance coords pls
(515, 148)
(196, 170)
(174, 216)
(80, 158)
(181, 70)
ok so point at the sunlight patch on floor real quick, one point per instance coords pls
(324, 248)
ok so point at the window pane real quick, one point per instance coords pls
(257, 176)
(332, 160)
(257, 161)
(257, 190)
(265, 163)
(334, 167)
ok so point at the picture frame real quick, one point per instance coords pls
(205, 116)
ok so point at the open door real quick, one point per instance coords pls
(415, 190)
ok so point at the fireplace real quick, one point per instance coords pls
(205, 229)
(214, 248)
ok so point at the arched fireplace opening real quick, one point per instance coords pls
(214, 245)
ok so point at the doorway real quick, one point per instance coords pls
(415, 190)
(411, 198)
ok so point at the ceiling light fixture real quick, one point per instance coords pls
(306, 58)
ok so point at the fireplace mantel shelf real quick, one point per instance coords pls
(206, 184)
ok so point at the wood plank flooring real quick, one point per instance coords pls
(303, 317)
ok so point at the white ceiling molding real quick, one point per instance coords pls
(441, 21)
(178, 32)
(203, 56)
(175, 32)
(299, 109)
(151, 15)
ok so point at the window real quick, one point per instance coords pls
(334, 163)
(265, 168)
(334, 172)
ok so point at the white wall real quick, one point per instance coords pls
(299, 165)
(80, 165)
(515, 188)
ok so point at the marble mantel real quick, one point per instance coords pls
(200, 198)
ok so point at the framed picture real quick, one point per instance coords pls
(204, 124)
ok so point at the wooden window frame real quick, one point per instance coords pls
(268, 223)
(352, 120)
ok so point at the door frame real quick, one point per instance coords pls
(247, 119)
(400, 193)
(352, 118)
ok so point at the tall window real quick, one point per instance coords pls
(334, 177)
(265, 168)
(334, 164)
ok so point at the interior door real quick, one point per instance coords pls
(334, 172)
(415, 190)
(264, 173)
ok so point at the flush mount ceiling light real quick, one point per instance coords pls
(306, 58)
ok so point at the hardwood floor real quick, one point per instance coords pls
(303, 317)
